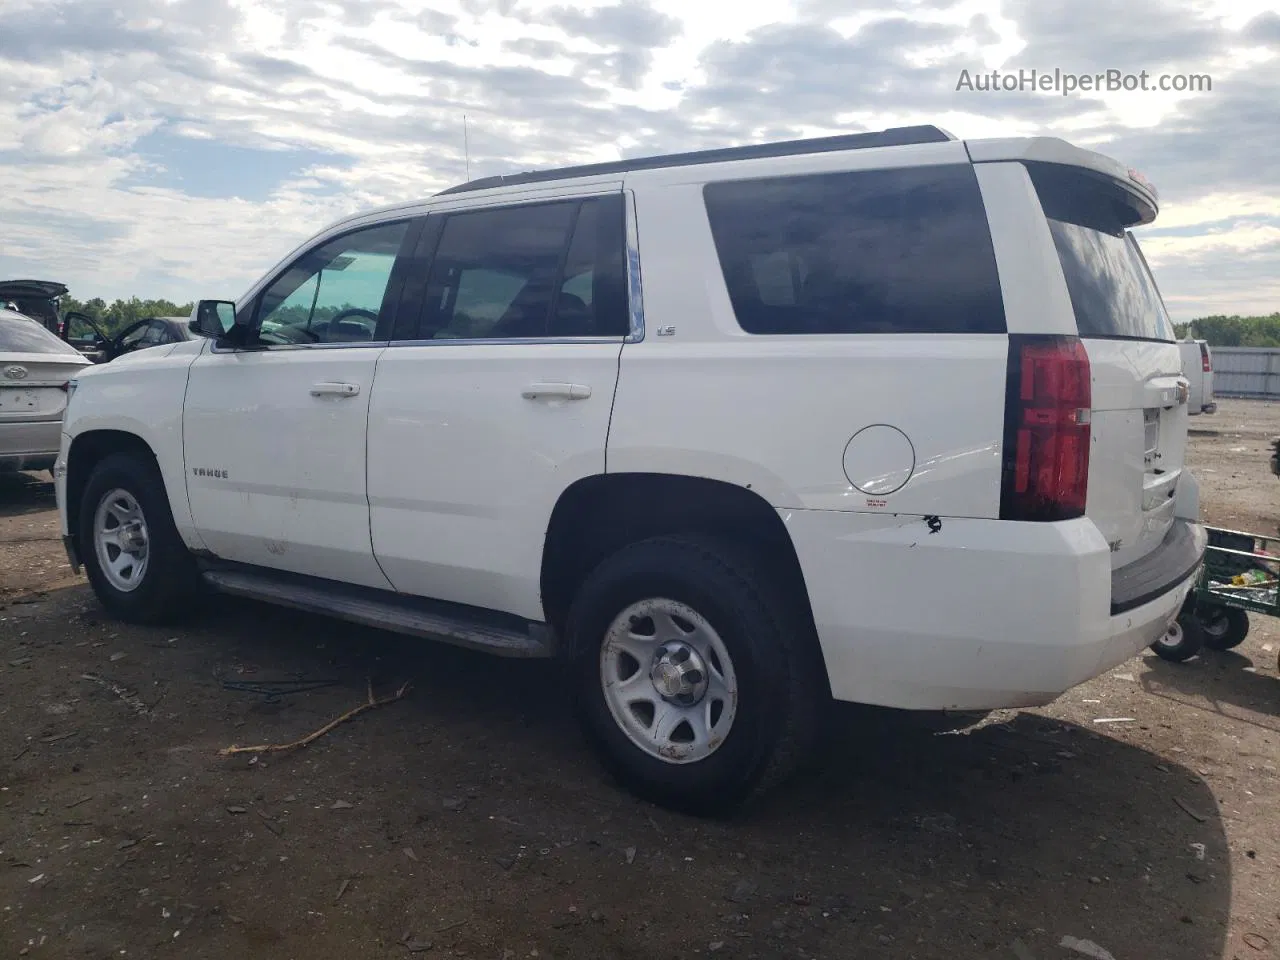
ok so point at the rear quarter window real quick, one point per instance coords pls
(1113, 292)
(876, 251)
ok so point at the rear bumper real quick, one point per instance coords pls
(29, 446)
(1176, 560)
(981, 615)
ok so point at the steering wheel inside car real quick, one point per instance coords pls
(355, 312)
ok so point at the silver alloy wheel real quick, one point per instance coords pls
(120, 540)
(668, 680)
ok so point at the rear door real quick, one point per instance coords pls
(1139, 394)
(496, 394)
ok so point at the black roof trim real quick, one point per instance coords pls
(893, 137)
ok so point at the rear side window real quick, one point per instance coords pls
(526, 272)
(1113, 293)
(876, 251)
(20, 335)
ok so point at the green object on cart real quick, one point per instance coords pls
(1241, 571)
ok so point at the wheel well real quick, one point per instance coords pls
(601, 514)
(87, 451)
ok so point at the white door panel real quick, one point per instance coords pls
(275, 434)
(498, 398)
(275, 466)
(470, 446)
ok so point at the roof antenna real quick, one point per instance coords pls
(466, 145)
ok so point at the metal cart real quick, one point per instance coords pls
(1241, 573)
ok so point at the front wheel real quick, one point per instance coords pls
(1181, 641)
(133, 556)
(691, 681)
(1224, 627)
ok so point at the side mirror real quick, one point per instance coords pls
(213, 318)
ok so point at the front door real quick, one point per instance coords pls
(274, 433)
(497, 398)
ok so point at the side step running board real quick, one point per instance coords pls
(462, 626)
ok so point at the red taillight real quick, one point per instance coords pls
(1046, 435)
(65, 387)
(1204, 358)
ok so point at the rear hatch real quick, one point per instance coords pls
(35, 298)
(1138, 426)
(35, 367)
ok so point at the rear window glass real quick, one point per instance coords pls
(876, 251)
(20, 335)
(1113, 293)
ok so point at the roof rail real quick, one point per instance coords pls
(893, 137)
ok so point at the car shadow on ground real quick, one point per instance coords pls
(25, 493)
(1217, 680)
(997, 841)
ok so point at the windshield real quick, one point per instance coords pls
(18, 334)
(1112, 290)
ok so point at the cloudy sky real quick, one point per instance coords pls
(179, 147)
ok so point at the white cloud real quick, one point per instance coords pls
(373, 93)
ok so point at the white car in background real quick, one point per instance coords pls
(1197, 367)
(35, 367)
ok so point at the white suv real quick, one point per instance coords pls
(891, 418)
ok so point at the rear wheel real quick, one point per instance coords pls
(1181, 641)
(690, 682)
(1224, 627)
(133, 556)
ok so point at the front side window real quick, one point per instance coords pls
(875, 251)
(333, 293)
(133, 337)
(80, 332)
(539, 270)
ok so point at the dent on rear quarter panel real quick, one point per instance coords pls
(144, 396)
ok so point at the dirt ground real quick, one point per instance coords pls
(467, 820)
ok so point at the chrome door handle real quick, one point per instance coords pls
(560, 391)
(335, 389)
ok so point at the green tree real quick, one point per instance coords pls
(114, 317)
(1234, 331)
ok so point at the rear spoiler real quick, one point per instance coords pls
(1140, 194)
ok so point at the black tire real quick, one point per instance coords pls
(1182, 642)
(780, 693)
(1224, 627)
(169, 585)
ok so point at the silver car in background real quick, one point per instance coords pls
(35, 367)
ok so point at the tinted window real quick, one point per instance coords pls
(333, 293)
(20, 335)
(1112, 291)
(552, 269)
(133, 337)
(880, 251)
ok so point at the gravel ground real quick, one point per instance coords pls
(466, 820)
